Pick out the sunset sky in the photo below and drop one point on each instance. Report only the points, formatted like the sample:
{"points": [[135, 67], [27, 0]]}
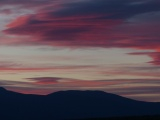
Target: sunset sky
{"points": [[109, 45]]}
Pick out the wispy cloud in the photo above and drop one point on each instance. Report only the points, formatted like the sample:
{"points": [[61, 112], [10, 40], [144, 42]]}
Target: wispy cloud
{"points": [[154, 55], [103, 23]]}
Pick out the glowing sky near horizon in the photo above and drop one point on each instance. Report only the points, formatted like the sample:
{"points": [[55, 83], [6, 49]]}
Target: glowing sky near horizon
{"points": [[108, 45]]}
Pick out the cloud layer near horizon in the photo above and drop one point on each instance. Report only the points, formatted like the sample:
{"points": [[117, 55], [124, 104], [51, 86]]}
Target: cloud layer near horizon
{"points": [[133, 88]]}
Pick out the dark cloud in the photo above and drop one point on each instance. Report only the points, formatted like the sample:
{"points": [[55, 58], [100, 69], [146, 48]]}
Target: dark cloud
{"points": [[83, 23], [111, 9]]}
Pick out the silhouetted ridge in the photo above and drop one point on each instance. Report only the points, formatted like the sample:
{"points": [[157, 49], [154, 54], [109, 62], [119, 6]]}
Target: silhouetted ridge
{"points": [[71, 104], [6, 94], [83, 93], [2, 89], [89, 95], [80, 93]]}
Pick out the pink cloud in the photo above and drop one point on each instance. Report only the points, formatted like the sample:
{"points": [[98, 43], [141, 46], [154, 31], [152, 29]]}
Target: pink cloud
{"points": [[6, 11], [92, 24], [71, 31]]}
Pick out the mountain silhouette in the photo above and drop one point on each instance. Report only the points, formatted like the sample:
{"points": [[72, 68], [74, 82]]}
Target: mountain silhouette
{"points": [[71, 104]]}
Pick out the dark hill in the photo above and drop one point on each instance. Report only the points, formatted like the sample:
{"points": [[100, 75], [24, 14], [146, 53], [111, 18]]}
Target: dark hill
{"points": [[71, 105]]}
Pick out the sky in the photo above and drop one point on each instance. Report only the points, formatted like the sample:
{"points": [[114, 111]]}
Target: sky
{"points": [[108, 45]]}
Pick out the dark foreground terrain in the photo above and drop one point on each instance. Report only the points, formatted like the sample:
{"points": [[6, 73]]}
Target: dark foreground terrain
{"points": [[128, 118], [72, 105]]}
